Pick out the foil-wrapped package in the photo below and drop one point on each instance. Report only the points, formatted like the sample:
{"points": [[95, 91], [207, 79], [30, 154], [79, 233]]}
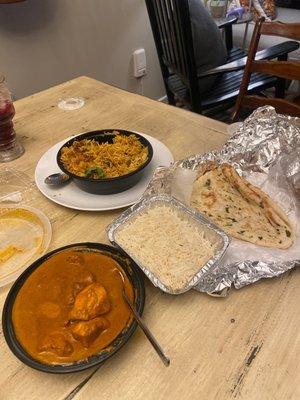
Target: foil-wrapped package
{"points": [[290, 167], [264, 151]]}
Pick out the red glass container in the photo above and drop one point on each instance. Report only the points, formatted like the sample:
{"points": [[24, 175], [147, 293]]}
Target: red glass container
{"points": [[10, 148]]}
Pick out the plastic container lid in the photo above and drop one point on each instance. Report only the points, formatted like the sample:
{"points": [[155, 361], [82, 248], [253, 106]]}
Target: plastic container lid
{"points": [[25, 235]]}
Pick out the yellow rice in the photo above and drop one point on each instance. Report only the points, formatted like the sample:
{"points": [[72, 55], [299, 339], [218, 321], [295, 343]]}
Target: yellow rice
{"points": [[124, 155]]}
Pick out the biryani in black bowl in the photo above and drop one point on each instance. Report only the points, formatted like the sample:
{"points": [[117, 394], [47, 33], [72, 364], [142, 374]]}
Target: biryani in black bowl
{"points": [[106, 161]]}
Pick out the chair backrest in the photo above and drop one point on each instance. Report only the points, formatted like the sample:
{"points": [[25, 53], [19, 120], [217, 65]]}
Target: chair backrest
{"points": [[171, 27], [282, 69]]}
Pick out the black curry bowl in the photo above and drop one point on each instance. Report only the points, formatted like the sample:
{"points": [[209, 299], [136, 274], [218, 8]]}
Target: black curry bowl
{"points": [[134, 275], [107, 185]]}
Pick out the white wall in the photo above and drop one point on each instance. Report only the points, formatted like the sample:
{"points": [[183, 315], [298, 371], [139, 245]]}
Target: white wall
{"points": [[45, 42]]}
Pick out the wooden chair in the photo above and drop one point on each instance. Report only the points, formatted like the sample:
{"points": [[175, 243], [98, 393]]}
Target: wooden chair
{"points": [[282, 68], [171, 27]]}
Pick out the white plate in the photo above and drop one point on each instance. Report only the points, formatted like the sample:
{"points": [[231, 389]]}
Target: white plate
{"points": [[72, 197]]}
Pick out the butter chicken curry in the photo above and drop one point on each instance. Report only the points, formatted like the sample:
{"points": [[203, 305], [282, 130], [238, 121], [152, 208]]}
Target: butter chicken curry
{"points": [[71, 307]]}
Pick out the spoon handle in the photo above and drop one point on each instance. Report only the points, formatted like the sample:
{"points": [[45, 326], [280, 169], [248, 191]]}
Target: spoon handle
{"points": [[147, 332]]}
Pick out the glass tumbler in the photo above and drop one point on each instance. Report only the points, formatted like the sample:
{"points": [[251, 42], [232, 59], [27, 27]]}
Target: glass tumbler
{"points": [[10, 148]]}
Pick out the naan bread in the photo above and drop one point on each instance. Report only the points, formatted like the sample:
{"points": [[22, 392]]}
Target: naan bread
{"points": [[241, 209]]}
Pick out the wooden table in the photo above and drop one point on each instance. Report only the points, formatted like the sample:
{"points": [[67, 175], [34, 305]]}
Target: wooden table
{"points": [[243, 346]]}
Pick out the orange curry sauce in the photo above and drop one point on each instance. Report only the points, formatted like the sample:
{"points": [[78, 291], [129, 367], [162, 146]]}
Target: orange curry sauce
{"points": [[71, 307]]}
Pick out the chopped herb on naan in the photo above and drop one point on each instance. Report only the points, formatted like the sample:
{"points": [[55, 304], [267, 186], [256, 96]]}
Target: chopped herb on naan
{"points": [[241, 209]]}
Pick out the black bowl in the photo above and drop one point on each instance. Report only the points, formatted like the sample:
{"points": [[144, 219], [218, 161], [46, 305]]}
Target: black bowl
{"points": [[134, 275], [108, 185]]}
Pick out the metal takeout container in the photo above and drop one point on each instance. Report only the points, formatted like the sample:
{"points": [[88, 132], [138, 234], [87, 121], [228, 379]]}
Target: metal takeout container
{"points": [[211, 231]]}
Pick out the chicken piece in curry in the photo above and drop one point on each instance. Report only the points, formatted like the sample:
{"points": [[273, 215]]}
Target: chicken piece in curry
{"points": [[87, 331], [57, 343], [90, 303], [71, 307]]}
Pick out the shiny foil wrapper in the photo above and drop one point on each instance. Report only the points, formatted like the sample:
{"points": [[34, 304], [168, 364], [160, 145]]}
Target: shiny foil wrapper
{"points": [[212, 233], [265, 145]]}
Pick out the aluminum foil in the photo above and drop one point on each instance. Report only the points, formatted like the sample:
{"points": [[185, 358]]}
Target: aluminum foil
{"points": [[267, 144], [290, 165], [211, 231]]}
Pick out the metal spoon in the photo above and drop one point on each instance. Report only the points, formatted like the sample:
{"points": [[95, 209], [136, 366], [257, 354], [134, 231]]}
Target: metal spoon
{"points": [[147, 332], [57, 179]]}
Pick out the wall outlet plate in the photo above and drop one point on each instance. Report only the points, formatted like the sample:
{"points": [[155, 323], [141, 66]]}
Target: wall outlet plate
{"points": [[139, 63]]}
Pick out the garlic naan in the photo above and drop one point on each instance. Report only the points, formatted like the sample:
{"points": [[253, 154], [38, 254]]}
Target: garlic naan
{"points": [[241, 209]]}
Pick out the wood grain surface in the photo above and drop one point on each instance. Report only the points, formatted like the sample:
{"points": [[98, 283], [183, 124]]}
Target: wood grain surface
{"points": [[245, 346]]}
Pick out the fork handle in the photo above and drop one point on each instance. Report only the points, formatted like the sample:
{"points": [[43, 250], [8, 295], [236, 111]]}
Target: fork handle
{"points": [[147, 332]]}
